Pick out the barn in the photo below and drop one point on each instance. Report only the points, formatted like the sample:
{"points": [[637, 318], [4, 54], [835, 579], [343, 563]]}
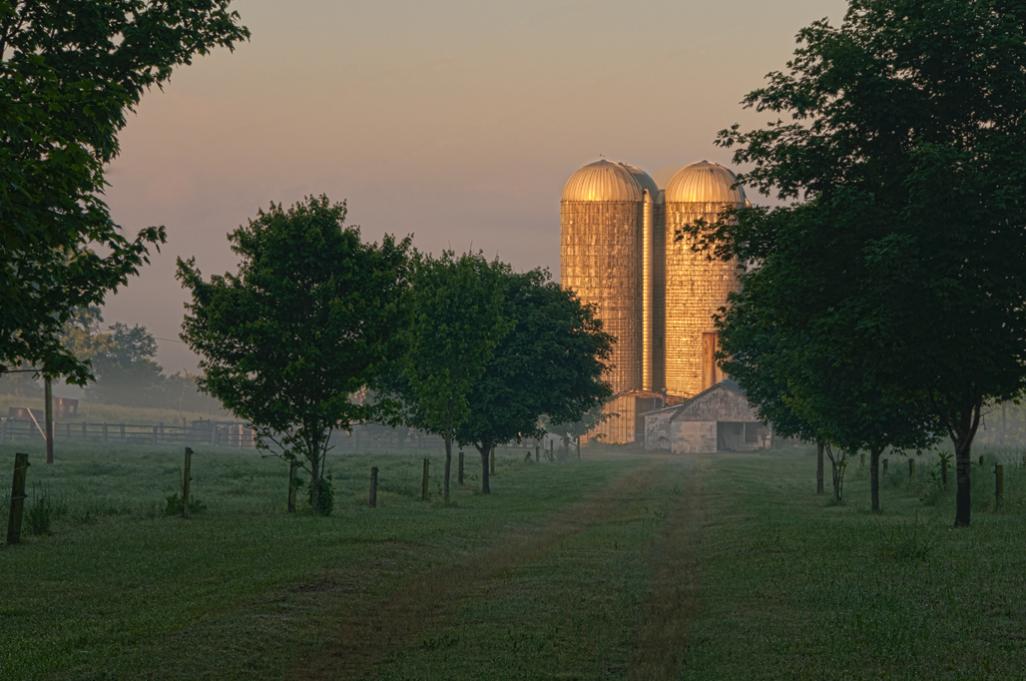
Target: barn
{"points": [[719, 419]]}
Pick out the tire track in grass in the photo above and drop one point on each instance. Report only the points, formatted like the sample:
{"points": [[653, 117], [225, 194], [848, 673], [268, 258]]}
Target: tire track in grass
{"points": [[359, 642], [661, 645]]}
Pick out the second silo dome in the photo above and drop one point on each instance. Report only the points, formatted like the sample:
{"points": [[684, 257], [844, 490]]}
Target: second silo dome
{"points": [[696, 287]]}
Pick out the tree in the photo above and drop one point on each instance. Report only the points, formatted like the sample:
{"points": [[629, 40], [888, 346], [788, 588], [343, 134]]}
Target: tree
{"points": [[549, 362], [904, 132], [69, 72], [306, 322], [455, 322], [804, 342], [125, 366]]}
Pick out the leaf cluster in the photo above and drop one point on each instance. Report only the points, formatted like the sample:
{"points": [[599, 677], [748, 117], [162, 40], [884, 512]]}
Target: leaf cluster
{"points": [[550, 362], [69, 72], [455, 321]]}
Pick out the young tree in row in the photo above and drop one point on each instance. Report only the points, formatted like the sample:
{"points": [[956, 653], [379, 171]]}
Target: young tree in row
{"points": [[905, 124], [307, 321], [454, 323], [69, 72], [550, 362]]}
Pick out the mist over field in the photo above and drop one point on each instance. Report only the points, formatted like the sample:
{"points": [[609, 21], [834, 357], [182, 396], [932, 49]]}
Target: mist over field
{"points": [[559, 339]]}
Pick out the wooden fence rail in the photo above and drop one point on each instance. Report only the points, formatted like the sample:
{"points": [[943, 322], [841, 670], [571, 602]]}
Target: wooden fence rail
{"points": [[218, 434]]}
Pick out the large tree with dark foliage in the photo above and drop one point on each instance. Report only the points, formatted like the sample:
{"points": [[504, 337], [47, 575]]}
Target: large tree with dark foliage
{"points": [[803, 342], [69, 72], [905, 126], [549, 362], [308, 322]]}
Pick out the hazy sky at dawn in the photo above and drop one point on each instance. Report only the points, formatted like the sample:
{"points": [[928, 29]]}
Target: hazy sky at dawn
{"points": [[455, 120]]}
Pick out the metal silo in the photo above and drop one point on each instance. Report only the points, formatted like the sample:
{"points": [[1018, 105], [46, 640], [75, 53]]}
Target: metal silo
{"points": [[601, 259], [695, 286]]}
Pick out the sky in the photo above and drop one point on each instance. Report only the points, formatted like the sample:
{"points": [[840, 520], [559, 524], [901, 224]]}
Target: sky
{"points": [[457, 121]]}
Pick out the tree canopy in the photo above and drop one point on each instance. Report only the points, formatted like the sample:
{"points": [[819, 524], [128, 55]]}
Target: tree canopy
{"points": [[901, 134], [550, 362], [70, 70], [292, 340], [455, 322]]}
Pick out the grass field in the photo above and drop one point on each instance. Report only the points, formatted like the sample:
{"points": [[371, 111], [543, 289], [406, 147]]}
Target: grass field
{"points": [[622, 566]]}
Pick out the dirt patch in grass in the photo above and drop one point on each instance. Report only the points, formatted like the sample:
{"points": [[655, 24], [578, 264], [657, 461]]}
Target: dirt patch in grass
{"points": [[359, 641]]}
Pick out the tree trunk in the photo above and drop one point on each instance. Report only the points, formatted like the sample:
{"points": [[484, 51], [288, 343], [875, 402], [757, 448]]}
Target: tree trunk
{"points": [[448, 468], [486, 451], [874, 478], [962, 435], [837, 464], [315, 479], [963, 483], [819, 466]]}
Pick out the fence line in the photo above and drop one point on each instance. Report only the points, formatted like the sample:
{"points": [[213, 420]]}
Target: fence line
{"points": [[209, 432]]}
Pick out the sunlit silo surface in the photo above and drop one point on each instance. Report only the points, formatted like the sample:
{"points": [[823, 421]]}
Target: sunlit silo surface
{"points": [[696, 286], [619, 252], [601, 215]]}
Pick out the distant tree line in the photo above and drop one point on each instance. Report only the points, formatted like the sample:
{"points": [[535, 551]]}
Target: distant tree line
{"points": [[122, 362]]}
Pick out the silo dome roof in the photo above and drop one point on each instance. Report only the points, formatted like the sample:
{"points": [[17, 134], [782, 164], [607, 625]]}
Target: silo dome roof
{"points": [[704, 182], [602, 181], [643, 179]]}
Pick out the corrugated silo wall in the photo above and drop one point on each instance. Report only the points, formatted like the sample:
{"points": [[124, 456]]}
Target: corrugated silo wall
{"points": [[696, 288], [600, 259]]}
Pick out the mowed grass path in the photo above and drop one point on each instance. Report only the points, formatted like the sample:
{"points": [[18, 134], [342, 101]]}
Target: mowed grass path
{"points": [[616, 567]]}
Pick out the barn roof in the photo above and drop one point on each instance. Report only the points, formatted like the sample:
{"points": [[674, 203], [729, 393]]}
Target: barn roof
{"points": [[726, 384]]}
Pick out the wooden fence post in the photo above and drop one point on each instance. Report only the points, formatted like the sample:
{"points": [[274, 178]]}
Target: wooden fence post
{"points": [[372, 500], [460, 469], [911, 469], [552, 454], [292, 486], [106, 432], [122, 428], [537, 453], [491, 464], [186, 479], [48, 394], [578, 445], [999, 485], [424, 480], [885, 466], [17, 509]]}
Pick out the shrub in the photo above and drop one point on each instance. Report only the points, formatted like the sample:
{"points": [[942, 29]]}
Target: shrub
{"points": [[174, 505], [43, 509]]}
